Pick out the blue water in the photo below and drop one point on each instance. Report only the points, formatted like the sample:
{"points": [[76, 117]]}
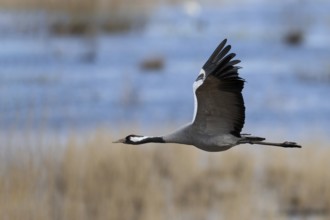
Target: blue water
{"points": [[82, 83]]}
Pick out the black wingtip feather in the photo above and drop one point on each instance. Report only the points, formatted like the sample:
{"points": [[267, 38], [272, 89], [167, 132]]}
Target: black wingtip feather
{"points": [[221, 54], [233, 62], [216, 52], [220, 63]]}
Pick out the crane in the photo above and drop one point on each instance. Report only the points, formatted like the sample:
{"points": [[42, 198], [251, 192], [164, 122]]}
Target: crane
{"points": [[219, 111]]}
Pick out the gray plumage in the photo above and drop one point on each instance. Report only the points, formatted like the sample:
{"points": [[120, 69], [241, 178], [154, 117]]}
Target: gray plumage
{"points": [[219, 112]]}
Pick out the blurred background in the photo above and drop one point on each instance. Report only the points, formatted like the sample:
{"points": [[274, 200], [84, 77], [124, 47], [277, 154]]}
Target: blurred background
{"points": [[76, 75]]}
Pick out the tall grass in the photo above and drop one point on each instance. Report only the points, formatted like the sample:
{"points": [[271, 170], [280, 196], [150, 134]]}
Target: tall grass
{"points": [[95, 179]]}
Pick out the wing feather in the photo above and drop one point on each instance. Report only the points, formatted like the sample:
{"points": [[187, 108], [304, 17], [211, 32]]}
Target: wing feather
{"points": [[216, 52], [219, 100]]}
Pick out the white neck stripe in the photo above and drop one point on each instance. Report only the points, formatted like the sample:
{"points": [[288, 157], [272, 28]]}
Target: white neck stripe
{"points": [[138, 139]]}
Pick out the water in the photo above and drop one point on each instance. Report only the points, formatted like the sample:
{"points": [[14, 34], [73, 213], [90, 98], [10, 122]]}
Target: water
{"points": [[81, 83]]}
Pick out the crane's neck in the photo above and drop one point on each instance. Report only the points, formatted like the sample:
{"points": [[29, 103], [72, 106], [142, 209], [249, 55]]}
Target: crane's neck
{"points": [[181, 136]]}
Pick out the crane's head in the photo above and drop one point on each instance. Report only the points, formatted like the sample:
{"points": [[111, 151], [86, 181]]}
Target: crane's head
{"points": [[138, 139], [132, 139]]}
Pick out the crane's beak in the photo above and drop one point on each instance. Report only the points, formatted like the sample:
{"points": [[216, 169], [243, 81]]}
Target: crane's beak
{"points": [[120, 141]]}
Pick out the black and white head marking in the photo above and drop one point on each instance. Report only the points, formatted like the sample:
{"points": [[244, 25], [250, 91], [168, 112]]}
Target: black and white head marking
{"points": [[137, 139]]}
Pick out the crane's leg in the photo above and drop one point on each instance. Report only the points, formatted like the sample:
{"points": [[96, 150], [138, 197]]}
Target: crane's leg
{"points": [[284, 144]]}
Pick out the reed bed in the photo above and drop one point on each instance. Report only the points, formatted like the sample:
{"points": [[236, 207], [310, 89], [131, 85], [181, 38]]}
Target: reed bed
{"points": [[96, 179]]}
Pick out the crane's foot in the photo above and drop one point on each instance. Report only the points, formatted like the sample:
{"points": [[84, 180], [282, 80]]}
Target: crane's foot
{"points": [[290, 144]]}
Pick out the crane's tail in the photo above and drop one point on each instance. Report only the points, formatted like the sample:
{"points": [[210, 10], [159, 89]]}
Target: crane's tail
{"points": [[246, 139]]}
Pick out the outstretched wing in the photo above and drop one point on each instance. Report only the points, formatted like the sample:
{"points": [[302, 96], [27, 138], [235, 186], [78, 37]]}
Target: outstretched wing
{"points": [[219, 104]]}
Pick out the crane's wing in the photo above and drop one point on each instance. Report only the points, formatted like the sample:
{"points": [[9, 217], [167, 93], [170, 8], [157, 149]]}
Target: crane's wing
{"points": [[219, 104]]}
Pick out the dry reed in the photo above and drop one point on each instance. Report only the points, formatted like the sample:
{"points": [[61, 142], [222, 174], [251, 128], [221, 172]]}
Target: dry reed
{"points": [[96, 179]]}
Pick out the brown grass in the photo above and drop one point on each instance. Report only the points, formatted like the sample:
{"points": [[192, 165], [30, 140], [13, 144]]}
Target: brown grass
{"points": [[301, 180], [95, 179]]}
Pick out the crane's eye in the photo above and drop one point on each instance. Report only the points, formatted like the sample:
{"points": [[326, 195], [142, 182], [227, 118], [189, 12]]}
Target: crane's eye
{"points": [[200, 76]]}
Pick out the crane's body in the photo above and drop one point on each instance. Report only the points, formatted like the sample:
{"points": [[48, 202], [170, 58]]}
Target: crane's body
{"points": [[219, 111]]}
